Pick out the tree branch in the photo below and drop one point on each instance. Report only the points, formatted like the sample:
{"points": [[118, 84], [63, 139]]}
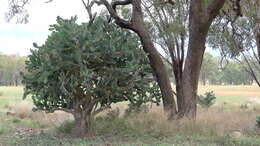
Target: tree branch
{"points": [[213, 9], [111, 9], [88, 7], [114, 4]]}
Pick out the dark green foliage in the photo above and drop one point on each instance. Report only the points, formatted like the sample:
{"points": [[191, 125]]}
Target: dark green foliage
{"points": [[258, 121], [207, 100], [96, 64]]}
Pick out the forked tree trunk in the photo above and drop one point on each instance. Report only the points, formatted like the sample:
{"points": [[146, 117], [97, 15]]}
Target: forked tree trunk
{"points": [[200, 20]]}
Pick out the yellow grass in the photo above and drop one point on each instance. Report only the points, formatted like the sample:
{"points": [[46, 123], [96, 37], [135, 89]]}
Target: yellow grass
{"points": [[232, 91]]}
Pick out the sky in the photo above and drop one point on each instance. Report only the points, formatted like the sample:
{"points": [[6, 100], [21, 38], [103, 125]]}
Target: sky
{"points": [[18, 38]]}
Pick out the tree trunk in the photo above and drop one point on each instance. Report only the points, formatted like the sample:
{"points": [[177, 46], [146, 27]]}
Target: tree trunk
{"points": [[83, 123], [177, 70], [154, 58], [200, 20], [257, 32], [160, 72], [82, 115], [191, 77]]}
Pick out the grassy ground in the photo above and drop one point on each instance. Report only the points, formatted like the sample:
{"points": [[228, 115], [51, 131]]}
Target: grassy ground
{"points": [[215, 126], [232, 94]]}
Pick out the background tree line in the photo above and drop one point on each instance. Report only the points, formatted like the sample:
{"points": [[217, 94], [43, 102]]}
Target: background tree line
{"points": [[213, 72], [10, 68]]}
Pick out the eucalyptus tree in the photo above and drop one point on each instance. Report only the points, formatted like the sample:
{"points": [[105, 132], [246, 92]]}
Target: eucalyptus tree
{"points": [[200, 16]]}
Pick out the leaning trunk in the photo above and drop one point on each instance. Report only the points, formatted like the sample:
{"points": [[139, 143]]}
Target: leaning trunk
{"points": [[154, 58], [160, 73]]}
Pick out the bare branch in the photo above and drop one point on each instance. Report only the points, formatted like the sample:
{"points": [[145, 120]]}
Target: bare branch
{"points": [[17, 10], [111, 9], [251, 71], [88, 7], [114, 4]]}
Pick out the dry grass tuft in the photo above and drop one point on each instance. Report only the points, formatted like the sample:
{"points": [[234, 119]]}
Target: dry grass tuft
{"points": [[224, 122], [23, 109], [209, 123], [57, 118]]}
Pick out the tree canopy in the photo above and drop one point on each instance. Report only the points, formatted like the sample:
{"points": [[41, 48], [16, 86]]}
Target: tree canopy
{"points": [[85, 68]]}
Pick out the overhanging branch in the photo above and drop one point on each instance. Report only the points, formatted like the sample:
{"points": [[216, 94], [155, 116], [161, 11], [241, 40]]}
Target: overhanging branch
{"points": [[111, 9], [114, 4], [213, 9]]}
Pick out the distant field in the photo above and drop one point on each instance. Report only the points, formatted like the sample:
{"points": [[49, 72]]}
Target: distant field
{"points": [[232, 91], [232, 94], [237, 94], [11, 95]]}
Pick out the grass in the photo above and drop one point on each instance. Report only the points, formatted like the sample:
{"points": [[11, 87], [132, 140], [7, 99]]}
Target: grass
{"points": [[152, 128], [11, 95], [232, 91]]}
